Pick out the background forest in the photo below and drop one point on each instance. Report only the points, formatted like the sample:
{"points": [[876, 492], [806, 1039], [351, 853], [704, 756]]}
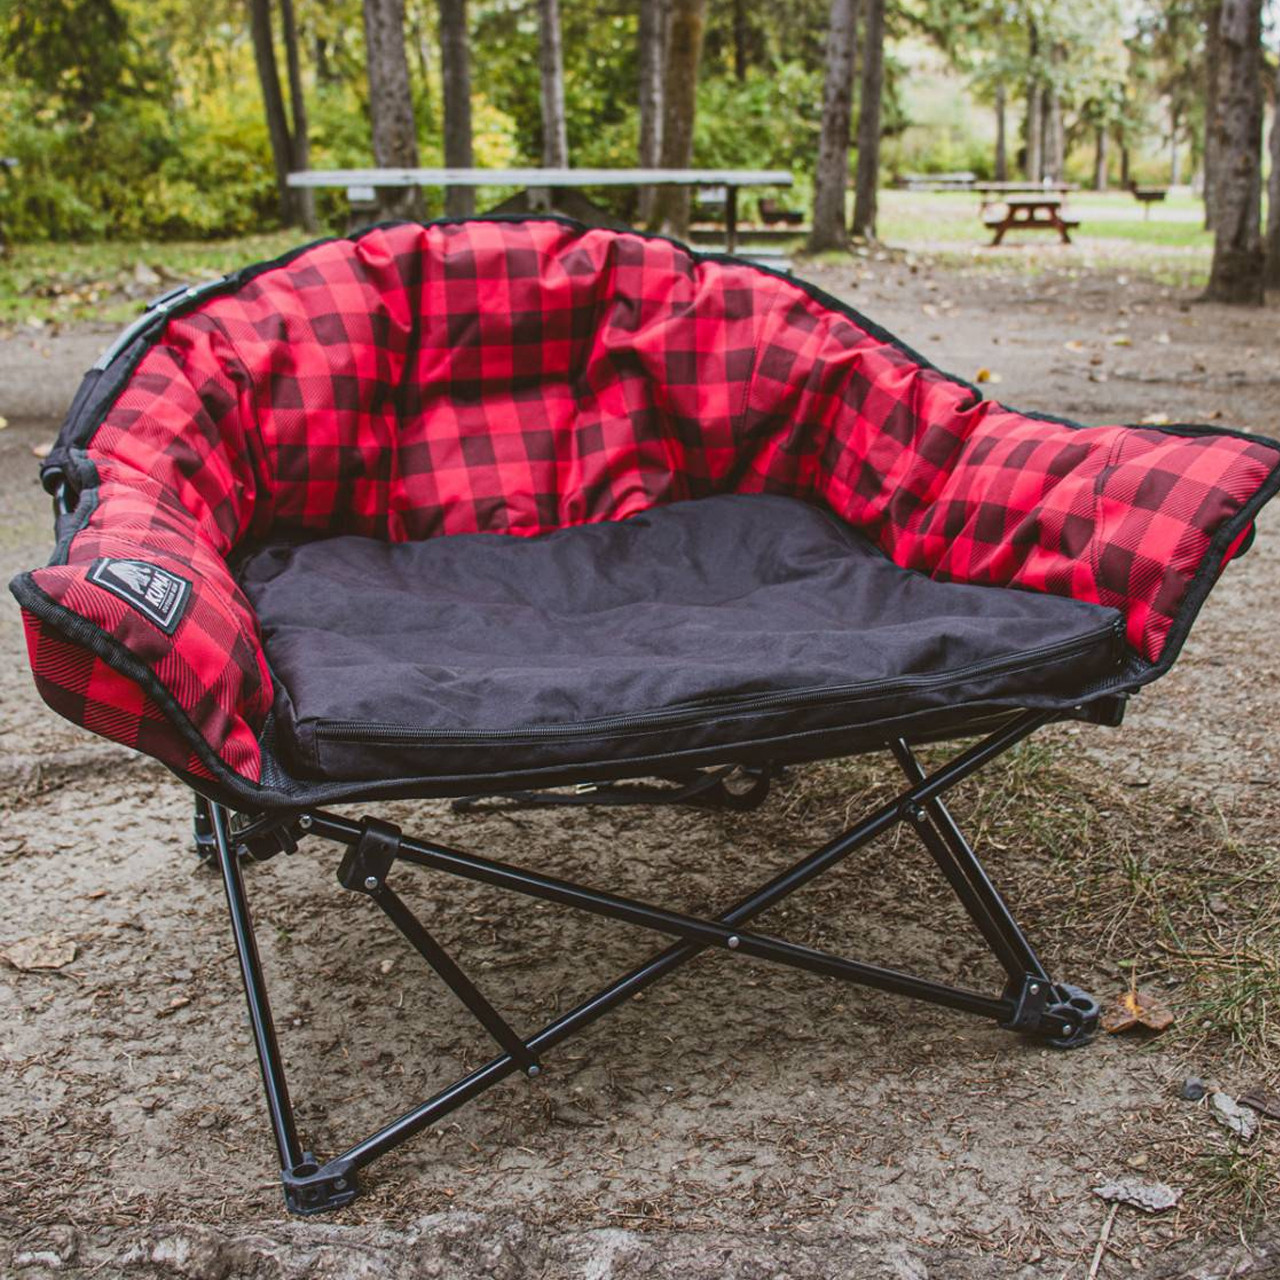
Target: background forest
{"points": [[132, 118]]}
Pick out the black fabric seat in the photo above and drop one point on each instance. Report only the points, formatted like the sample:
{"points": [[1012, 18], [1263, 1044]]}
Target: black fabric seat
{"points": [[708, 623]]}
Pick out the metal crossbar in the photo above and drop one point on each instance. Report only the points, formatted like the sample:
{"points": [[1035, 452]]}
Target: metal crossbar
{"points": [[1059, 1014]]}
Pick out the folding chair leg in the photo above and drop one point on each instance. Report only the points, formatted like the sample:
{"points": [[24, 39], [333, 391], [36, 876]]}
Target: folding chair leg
{"points": [[958, 862], [1030, 988], [305, 1193]]}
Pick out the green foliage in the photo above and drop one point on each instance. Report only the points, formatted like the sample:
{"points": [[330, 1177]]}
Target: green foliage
{"points": [[143, 118]]}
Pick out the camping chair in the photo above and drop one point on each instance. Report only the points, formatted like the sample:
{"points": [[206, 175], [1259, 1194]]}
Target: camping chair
{"points": [[746, 529]]}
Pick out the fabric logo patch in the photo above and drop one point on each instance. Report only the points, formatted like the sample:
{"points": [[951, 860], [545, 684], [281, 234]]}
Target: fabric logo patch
{"points": [[157, 594]]}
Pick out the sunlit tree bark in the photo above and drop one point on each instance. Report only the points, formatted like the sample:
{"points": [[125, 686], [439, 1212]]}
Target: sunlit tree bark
{"points": [[830, 230], [1273, 197], [680, 98], [866, 186], [1236, 273], [304, 199], [395, 137], [264, 55], [652, 61], [455, 73], [555, 131]]}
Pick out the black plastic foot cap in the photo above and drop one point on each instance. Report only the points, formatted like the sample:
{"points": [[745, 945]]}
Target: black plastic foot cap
{"points": [[310, 1187]]}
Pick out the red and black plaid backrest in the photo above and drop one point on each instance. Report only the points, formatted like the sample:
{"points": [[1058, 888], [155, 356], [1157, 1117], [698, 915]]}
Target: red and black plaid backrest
{"points": [[521, 376]]}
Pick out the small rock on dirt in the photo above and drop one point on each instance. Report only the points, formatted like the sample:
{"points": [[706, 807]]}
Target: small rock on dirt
{"points": [[1239, 1120], [1151, 1197], [1193, 1089], [49, 951]]}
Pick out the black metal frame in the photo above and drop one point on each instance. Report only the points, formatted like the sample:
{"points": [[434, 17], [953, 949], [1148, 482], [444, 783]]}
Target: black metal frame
{"points": [[1058, 1014]]}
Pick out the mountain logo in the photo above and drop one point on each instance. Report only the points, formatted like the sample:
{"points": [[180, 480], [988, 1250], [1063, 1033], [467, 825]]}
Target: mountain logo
{"points": [[160, 596]]}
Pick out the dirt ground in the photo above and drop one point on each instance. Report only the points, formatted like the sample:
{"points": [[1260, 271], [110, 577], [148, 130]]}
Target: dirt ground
{"points": [[802, 1129]]}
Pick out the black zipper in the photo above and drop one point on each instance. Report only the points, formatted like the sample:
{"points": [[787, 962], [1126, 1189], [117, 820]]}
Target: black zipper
{"points": [[358, 732]]}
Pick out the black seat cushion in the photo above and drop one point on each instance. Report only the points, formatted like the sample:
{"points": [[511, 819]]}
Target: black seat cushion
{"points": [[715, 622]]}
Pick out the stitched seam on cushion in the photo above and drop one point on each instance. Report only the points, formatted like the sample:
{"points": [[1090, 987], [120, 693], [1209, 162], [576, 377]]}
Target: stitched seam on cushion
{"points": [[750, 382], [1098, 485], [251, 640], [244, 368]]}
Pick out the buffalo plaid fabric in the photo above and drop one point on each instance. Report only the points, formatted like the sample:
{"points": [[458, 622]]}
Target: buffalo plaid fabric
{"points": [[517, 377]]}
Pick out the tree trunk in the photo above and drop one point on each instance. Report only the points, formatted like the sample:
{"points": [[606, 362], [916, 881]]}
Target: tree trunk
{"points": [[1213, 80], [264, 54], [1002, 132], [1272, 278], [326, 72], [1034, 164], [832, 175], [1125, 180], [555, 131], [1101, 138], [740, 40], [869, 102], [652, 61], [395, 136], [420, 41], [1236, 273], [1054, 136], [304, 199], [1175, 155], [1035, 132], [455, 74], [670, 213]]}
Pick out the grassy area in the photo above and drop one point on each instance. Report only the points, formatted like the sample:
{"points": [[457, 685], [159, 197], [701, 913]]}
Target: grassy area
{"points": [[49, 284], [937, 219], [1170, 245]]}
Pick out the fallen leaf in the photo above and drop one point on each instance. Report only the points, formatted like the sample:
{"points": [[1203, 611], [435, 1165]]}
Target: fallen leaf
{"points": [[1239, 1120], [42, 450], [1157, 419], [45, 952], [1074, 345], [1260, 1100], [4, 422], [929, 309], [987, 375], [1136, 1008], [1122, 340], [1152, 1197], [1163, 339], [178, 1002]]}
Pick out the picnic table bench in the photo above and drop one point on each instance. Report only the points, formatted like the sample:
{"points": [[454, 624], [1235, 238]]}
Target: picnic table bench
{"points": [[961, 181], [538, 182], [772, 214], [1031, 213]]}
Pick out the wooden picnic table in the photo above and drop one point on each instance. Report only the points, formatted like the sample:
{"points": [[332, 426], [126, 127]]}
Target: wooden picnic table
{"points": [[990, 193], [535, 180], [1040, 212]]}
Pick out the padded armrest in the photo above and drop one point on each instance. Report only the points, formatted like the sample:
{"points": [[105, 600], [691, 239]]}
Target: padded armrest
{"points": [[139, 592], [963, 489], [1140, 519]]}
